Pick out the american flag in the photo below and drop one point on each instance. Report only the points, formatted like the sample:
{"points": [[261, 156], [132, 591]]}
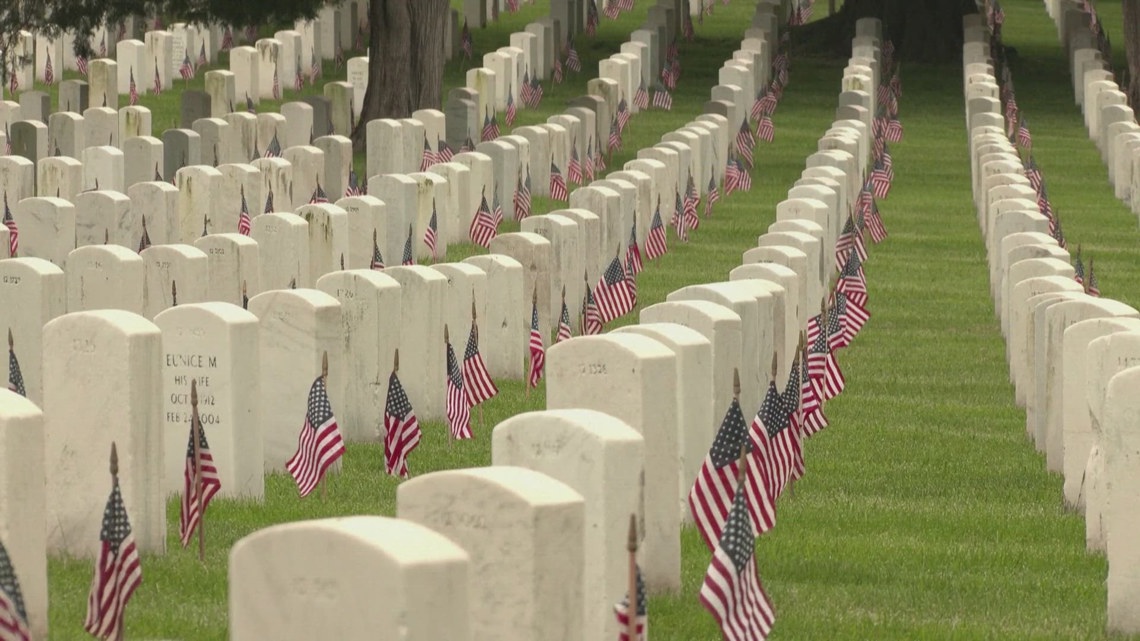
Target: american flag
{"points": [[428, 157], [781, 444], [625, 5], [591, 17], [134, 90], [823, 369], [118, 572], [614, 295], [766, 129], [512, 110], [732, 178], [103, 45], [692, 201], [315, 69], [354, 187], [760, 487], [476, 379], [631, 278], [591, 317], [731, 590], [536, 92], [655, 240], [537, 350], [1078, 267], [715, 486], [298, 76], [496, 210], [525, 90], [377, 257], [468, 145], [490, 130], [319, 444], [269, 203], [875, 223], [667, 77], [641, 98], [444, 151], [574, 172], [276, 85], [853, 315], [565, 332], [432, 230], [157, 88], [1033, 173], [615, 135], [13, 81], [791, 398], [599, 162], [13, 615], [203, 60], [557, 184], [273, 149], [466, 42], [15, 377], [13, 230], [513, 6], [338, 56], [186, 69], [894, 130], [662, 99], [522, 197], [621, 610], [483, 227], [687, 26], [573, 61], [611, 10], [1093, 286], [402, 430], [193, 505], [49, 72], [81, 64], [680, 220], [408, 257], [458, 407], [633, 252], [880, 180], [1024, 138], [144, 240], [557, 71], [745, 143], [623, 115], [812, 409], [245, 223], [713, 194], [249, 105], [227, 39], [319, 196]]}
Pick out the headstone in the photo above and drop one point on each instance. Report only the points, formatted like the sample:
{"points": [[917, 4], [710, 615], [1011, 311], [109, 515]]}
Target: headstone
{"points": [[104, 277], [1122, 472], [217, 346], [66, 134], [297, 328], [533, 252], [103, 76], [59, 175], [366, 224], [233, 267], [422, 292], [328, 238], [23, 504], [106, 217], [375, 577], [503, 329], [180, 148], [529, 557], [104, 167], [221, 86], [175, 275], [583, 373], [33, 293], [197, 199], [121, 352], [47, 229], [283, 246], [599, 457], [156, 204]]}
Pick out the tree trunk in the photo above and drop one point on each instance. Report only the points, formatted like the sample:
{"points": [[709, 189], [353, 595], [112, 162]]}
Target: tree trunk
{"points": [[405, 60], [1131, 18], [921, 30]]}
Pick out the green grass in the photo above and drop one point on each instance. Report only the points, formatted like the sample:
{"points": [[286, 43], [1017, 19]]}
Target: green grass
{"points": [[925, 513]]}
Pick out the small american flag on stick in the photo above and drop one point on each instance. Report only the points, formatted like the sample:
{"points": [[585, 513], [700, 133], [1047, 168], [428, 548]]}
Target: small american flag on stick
{"points": [[565, 332], [476, 379], [402, 430], [632, 626], [186, 69], [591, 317], [200, 479], [118, 571], [15, 377], [13, 229], [614, 294], [483, 227], [716, 483], [655, 245], [536, 346], [245, 223], [13, 615], [458, 405], [319, 444]]}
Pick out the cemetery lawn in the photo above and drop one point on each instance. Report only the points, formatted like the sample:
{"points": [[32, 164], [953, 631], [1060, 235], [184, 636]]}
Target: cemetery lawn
{"points": [[925, 512]]}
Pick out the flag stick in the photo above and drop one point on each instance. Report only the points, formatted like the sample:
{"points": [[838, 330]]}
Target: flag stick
{"points": [[534, 306], [115, 482], [325, 380], [475, 330], [446, 344], [196, 428], [632, 596]]}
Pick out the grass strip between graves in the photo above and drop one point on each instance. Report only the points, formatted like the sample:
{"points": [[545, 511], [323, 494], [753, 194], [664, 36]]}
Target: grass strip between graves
{"points": [[924, 514]]}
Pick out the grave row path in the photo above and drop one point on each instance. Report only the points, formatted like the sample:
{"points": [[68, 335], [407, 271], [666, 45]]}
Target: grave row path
{"points": [[925, 512], [1077, 180]]}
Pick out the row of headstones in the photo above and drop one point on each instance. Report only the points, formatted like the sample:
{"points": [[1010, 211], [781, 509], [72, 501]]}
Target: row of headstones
{"points": [[1111, 123], [753, 300], [333, 31], [1069, 355], [664, 378]]}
